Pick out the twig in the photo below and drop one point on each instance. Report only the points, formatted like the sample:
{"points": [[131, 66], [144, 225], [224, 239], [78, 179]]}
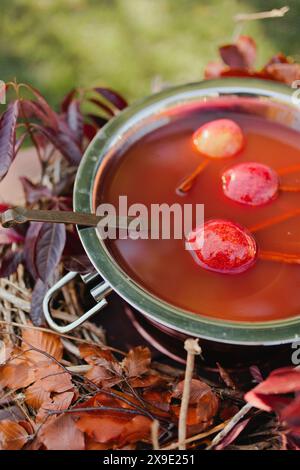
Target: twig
{"points": [[233, 421], [47, 330], [262, 15], [197, 437], [14, 300], [154, 434], [192, 347], [89, 409]]}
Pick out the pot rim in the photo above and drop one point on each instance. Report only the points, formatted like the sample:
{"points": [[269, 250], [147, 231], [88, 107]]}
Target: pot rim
{"points": [[232, 332]]}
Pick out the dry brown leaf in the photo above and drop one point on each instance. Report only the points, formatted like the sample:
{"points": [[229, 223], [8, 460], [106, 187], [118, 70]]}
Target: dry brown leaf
{"points": [[61, 433], [101, 428], [47, 342], [137, 361], [102, 377], [59, 402], [97, 356], [137, 429], [203, 406], [17, 373], [49, 378], [12, 435]]}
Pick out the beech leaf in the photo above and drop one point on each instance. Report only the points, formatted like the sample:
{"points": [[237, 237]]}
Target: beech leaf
{"points": [[12, 435], [137, 361], [61, 433]]}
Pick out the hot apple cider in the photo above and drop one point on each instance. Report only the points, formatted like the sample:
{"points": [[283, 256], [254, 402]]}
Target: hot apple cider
{"points": [[245, 169]]}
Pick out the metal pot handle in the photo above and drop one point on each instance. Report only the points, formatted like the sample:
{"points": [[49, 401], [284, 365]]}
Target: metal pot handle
{"points": [[98, 292]]}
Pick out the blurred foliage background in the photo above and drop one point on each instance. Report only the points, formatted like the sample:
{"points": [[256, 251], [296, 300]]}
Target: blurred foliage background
{"points": [[58, 44]]}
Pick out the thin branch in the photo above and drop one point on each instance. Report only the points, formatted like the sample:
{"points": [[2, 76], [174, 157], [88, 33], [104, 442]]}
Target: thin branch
{"points": [[262, 15], [232, 423], [154, 434]]}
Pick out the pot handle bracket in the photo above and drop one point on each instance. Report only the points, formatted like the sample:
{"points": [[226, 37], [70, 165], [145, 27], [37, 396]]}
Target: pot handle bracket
{"points": [[99, 293]]}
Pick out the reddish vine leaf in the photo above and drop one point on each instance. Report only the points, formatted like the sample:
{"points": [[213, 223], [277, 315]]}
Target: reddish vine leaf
{"points": [[34, 192], [75, 120], [30, 247], [8, 123], [10, 263], [12, 435], [37, 298], [44, 105], [65, 103], [48, 249], [113, 97]]}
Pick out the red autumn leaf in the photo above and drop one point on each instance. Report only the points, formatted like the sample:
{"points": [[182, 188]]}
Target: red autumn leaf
{"points": [[241, 54], [283, 72], [89, 131], [137, 361], [247, 47], [290, 414], [61, 433], [48, 249], [280, 381], [12, 435], [8, 123]]}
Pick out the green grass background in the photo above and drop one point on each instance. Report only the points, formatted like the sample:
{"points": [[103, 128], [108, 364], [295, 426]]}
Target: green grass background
{"points": [[125, 44]]}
